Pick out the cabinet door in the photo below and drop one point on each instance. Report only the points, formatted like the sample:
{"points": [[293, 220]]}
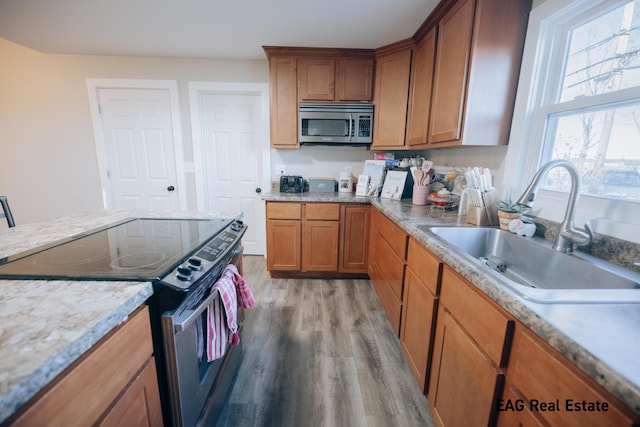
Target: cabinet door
{"points": [[283, 102], [418, 314], [391, 96], [464, 383], [283, 245], [320, 245], [140, 403], [450, 78], [539, 372], [421, 83], [354, 240], [316, 79], [355, 79]]}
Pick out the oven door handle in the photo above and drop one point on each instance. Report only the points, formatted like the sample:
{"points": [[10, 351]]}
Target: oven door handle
{"points": [[183, 323]]}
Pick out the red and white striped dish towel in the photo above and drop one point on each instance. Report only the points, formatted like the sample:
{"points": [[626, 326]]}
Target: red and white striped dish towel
{"points": [[222, 324]]}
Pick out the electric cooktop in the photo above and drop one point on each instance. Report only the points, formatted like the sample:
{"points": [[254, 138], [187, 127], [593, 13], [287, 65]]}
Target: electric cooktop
{"points": [[140, 249]]}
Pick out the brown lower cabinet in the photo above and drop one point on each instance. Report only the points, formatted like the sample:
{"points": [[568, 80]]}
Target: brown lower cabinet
{"points": [[317, 237], [113, 384], [544, 388], [387, 259], [421, 290], [469, 355]]}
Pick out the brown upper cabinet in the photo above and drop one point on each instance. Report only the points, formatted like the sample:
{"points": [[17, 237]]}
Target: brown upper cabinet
{"points": [[335, 79], [420, 92], [477, 63], [298, 74], [452, 84], [391, 95], [283, 102]]}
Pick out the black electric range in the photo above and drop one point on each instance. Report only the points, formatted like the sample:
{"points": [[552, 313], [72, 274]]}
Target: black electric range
{"points": [[139, 249]]}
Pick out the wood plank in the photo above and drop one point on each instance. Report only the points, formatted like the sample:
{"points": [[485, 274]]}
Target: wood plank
{"points": [[320, 352]]}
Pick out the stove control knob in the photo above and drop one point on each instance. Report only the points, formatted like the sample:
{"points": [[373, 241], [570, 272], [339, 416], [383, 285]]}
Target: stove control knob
{"points": [[184, 274], [195, 264]]}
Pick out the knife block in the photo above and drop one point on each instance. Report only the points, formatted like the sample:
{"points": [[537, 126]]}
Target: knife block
{"points": [[486, 215], [477, 215]]}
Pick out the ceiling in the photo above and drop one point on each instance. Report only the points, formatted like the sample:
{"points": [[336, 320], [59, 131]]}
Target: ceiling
{"points": [[206, 28]]}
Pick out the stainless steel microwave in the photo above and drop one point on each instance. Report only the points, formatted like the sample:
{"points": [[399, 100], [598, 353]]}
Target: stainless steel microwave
{"points": [[335, 124]]}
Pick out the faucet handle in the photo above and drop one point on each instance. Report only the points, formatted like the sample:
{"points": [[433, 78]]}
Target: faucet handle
{"points": [[582, 238]]}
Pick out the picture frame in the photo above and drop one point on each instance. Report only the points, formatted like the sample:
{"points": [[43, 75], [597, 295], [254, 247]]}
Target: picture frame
{"points": [[394, 185]]}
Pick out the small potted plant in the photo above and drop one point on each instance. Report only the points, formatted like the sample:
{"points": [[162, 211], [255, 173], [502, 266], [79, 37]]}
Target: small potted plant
{"points": [[508, 210]]}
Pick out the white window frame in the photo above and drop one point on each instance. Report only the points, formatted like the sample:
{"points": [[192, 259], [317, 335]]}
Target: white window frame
{"points": [[546, 32]]}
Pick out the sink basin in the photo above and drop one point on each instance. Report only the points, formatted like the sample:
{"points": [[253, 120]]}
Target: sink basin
{"points": [[533, 269]]}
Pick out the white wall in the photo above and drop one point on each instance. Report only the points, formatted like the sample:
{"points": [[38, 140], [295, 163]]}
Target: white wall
{"points": [[48, 164]]}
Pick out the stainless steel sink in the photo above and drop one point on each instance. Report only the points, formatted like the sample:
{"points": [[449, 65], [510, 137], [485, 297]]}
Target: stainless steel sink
{"points": [[533, 269]]}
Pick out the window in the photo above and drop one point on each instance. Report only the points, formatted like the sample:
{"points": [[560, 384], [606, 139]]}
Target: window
{"points": [[582, 69], [585, 124]]}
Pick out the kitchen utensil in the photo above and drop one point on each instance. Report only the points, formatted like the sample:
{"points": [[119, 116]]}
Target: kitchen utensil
{"points": [[486, 172], [418, 176]]}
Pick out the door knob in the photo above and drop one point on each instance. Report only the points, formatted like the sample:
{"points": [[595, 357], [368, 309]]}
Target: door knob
{"points": [[171, 188], [258, 190]]}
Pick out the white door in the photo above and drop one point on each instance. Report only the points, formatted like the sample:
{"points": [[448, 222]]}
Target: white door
{"points": [[229, 140], [138, 147]]}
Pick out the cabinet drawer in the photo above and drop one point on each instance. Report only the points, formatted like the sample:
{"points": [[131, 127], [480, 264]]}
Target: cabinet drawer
{"points": [[482, 319], [284, 210], [326, 211], [425, 265], [540, 373], [395, 236]]}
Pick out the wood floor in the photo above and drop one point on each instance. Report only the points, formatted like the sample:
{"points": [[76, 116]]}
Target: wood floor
{"points": [[320, 353]]}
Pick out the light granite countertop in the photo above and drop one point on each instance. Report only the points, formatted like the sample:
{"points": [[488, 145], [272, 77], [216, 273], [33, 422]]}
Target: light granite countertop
{"points": [[47, 325], [603, 340]]}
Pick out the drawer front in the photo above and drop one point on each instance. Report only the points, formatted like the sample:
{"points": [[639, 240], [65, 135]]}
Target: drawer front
{"points": [[482, 319], [278, 210], [322, 211], [540, 373], [395, 236], [425, 265]]}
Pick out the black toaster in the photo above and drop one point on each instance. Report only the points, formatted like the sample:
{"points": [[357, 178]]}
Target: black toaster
{"points": [[291, 184]]}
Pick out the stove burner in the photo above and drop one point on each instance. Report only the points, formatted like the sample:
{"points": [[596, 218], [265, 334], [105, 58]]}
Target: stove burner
{"points": [[139, 261], [85, 254]]}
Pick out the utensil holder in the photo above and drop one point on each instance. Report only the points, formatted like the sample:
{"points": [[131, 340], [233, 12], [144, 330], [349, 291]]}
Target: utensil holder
{"points": [[420, 193]]}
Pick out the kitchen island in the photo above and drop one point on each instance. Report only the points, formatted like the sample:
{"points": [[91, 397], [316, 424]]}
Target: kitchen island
{"points": [[48, 325], [599, 339]]}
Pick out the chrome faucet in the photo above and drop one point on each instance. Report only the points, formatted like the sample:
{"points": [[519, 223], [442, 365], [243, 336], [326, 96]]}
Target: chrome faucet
{"points": [[567, 234]]}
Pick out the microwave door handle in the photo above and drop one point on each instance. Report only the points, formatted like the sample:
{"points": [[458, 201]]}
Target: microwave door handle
{"points": [[350, 127]]}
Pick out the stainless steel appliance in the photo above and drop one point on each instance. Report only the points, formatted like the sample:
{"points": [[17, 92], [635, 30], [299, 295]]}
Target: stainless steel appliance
{"points": [[335, 124], [183, 258]]}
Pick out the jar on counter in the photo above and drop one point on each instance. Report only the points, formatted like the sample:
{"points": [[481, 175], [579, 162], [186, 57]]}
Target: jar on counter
{"points": [[345, 182]]}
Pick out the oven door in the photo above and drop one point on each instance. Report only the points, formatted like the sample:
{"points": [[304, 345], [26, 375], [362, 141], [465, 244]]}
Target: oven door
{"points": [[327, 127], [197, 388]]}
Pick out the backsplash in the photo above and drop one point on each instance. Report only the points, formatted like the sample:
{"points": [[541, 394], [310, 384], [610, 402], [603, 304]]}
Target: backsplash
{"points": [[614, 250]]}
